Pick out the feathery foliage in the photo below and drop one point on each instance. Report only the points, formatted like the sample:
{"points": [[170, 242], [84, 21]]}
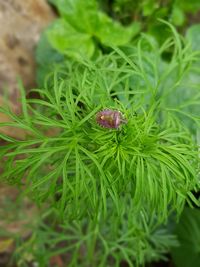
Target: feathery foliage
{"points": [[133, 177], [129, 237]]}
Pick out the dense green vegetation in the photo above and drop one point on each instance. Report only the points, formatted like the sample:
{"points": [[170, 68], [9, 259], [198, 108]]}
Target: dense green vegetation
{"points": [[111, 196]]}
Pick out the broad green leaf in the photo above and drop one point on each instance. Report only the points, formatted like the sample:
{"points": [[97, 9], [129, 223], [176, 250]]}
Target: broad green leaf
{"points": [[64, 38], [85, 17], [82, 15], [111, 32], [177, 16], [193, 35], [149, 7]]}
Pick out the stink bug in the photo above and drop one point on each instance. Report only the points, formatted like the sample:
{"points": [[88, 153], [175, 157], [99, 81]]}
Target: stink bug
{"points": [[109, 118]]}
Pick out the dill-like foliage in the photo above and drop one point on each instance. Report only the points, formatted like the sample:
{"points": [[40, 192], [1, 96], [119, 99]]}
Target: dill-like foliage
{"points": [[136, 175]]}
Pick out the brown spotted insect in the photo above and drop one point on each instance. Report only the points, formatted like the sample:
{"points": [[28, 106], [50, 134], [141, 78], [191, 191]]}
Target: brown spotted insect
{"points": [[109, 118]]}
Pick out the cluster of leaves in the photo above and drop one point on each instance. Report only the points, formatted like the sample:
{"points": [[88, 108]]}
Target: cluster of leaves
{"points": [[108, 192], [127, 237], [77, 33], [81, 31], [187, 230], [148, 11], [134, 177], [121, 161], [84, 30]]}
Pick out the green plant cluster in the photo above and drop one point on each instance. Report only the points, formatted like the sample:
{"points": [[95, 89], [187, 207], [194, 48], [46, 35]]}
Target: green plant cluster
{"points": [[109, 196], [88, 28], [113, 189], [87, 33], [109, 242], [148, 11]]}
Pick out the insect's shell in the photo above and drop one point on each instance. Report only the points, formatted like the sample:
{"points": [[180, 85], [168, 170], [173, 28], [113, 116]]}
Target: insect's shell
{"points": [[109, 118]]}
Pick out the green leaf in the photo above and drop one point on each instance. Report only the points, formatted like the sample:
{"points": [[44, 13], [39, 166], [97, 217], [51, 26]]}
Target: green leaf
{"points": [[149, 6], [193, 36], [64, 38], [47, 58], [111, 32], [189, 6], [188, 232], [81, 21], [178, 16], [82, 15]]}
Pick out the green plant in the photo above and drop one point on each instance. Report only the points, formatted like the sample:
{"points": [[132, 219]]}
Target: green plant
{"points": [[189, 237], [84, 30], [82, 27], [111, 189], [148, 12], [103, 242], [81, 31]]}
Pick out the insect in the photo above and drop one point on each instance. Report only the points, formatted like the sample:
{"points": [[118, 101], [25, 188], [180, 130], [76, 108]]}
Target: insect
{"points": [[109, 118]]}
